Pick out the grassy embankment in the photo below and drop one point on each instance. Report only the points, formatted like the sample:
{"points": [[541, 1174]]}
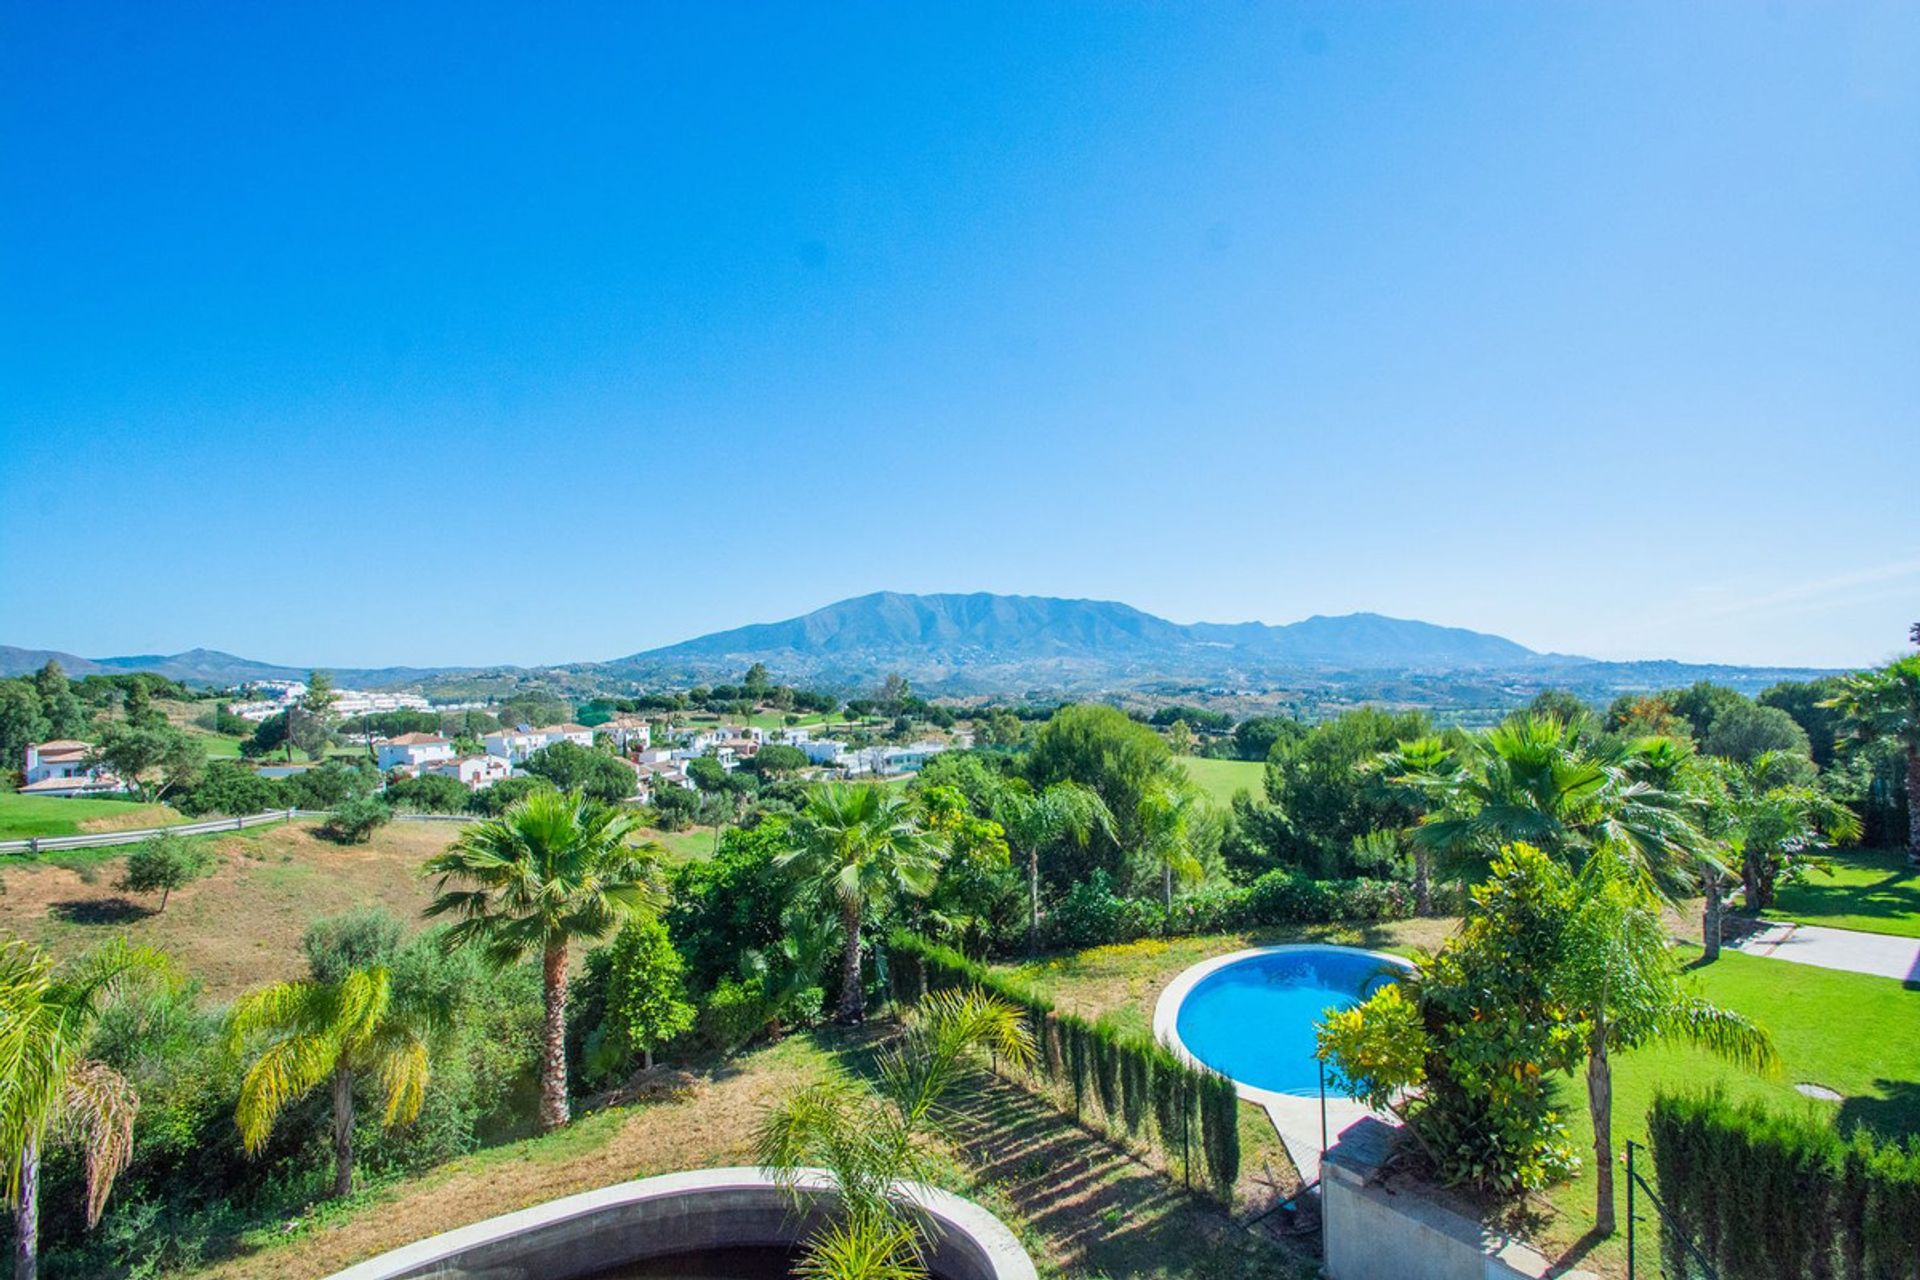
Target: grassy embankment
{"points": [[1876, 890]]}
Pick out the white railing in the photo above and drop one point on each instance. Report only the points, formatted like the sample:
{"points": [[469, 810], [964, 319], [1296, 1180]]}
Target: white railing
{"points": [[212, 826]]}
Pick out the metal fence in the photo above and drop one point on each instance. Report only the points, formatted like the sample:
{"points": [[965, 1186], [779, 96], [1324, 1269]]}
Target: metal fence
{"points": [[212, 826], [1670, 1253]]}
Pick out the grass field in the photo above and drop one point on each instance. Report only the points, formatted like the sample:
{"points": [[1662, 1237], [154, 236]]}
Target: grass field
{"points": [[1221, 778], [1876, 890], [1874, 1065], [22, 817]]}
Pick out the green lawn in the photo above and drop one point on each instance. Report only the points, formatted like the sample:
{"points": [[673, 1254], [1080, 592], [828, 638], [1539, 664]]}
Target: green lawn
{"points": [[22, 817], [1877, 890], [218, 746], [1857, 1035], [1221, 778]]}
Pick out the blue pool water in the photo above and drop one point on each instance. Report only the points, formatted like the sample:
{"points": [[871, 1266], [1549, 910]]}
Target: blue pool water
{"points": [[1253, 1021]]}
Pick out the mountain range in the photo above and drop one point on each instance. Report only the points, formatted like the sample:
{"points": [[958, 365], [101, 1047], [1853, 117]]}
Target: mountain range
{"points": [[982, 643]]}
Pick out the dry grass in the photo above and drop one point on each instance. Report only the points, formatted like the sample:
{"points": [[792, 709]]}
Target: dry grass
{"points": [[240, 926]]}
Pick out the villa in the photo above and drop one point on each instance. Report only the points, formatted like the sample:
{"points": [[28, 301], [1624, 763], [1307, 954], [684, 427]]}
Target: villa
{"points": [[60, 768], [412, 750], [517, 744], [475, 772]]}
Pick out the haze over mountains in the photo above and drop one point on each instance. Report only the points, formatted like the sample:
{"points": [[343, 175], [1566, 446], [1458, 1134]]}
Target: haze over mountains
{"points": [[985, 643]]}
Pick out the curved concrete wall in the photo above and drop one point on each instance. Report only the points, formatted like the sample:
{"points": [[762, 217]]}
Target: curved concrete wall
{"points": [[674, 1213]]}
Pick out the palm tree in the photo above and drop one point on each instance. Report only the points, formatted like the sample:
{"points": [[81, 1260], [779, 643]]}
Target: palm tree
{"points": [[1886, 704], [1035, 819], [1165, 819], [1768, 820], [861, 845], [1533, 780], [1618, 973], [553, 869], [313, 1033], [49, 1085], [872, 1148]]}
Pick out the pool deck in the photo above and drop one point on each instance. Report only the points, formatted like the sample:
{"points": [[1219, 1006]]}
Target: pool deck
{"points": [[1295, 1117]]}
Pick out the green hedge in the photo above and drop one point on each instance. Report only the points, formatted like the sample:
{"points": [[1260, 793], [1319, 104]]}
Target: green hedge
{"points": [[1122, 1076], [1767, 1195]]}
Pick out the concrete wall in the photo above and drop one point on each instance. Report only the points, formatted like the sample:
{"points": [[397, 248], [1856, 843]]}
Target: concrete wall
{"points": [[654, 1217], [1373, 1233]]}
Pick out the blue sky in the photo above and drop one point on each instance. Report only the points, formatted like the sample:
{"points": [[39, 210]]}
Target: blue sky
{"points": [[412, 333]]}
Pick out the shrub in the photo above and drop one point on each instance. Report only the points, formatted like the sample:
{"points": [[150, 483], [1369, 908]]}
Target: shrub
{"points": [[491, 802], [356, 819], [1772, 1195], [1092, 915], [734, 1013], [163, 864], [429, 793], [231, 788]]}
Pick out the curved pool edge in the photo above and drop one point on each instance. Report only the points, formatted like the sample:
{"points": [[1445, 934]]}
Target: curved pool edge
{"points": [[1166, 1010], [987, 1248]]}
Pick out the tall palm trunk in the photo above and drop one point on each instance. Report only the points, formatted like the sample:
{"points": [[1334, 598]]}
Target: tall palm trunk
{"points": [[1913, 804], [1753, 882], [26, 1214], [1600, 1108], [342, 1131], [1033, 900], [1166, 897], [553, 1050], [1716, 901], [853, 1001]]}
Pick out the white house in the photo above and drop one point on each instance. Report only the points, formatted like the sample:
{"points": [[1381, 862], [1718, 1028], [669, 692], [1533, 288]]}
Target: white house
{"points": [[412, 750], [517, 744], [823, 751], [629, 733], [475, 772], [59, 768]]}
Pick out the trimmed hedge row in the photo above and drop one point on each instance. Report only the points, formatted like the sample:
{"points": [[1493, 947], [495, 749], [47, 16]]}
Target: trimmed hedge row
{"points": [[1772, 1196], [1128, 1078], [1091, 914]]}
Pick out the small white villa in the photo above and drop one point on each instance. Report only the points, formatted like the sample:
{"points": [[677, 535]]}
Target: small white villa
{"points": [[59, 768], [410, 751], [517, 744], [474, 772], [629, 733]]}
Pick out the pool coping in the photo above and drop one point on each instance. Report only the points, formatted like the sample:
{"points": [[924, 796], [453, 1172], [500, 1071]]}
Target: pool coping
{"points": [[1166, 1011]]}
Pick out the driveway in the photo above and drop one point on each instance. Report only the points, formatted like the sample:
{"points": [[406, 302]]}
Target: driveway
{"points": [[1875, 953]]}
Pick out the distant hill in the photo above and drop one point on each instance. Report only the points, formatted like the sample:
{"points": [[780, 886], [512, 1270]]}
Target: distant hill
{"points": [[986, 644], [988, 641]]}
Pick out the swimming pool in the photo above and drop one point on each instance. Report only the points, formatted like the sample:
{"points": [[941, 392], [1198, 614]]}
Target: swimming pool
{"points": [[1251, 1015]]}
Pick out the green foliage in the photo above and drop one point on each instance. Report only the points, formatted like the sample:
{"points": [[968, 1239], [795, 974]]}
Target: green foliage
{"points": [[1120, 759], [734, 1012], [645, 998], [1317, 782], [330, 785], [428, 793], [596, 774], [1810, 703], [776, 759], [364, 938], [1743, 731], [355, 819], [1255, 738], [1770, 1195], [731, 903], [1378, 1048], [495, 800], [163, 864], [155, 758], [228, 787]]}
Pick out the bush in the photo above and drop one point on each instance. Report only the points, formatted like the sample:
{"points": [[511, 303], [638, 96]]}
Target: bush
{"points": [[330, 785], [734, 1013], [1091, 915], [429, 793], [163, 864], [232, 789], [355, 820], [1771, 1195], [491, 802]]}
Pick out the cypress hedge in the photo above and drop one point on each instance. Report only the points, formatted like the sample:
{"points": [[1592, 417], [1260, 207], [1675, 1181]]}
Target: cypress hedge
{"points": [[1767, 1195], [1196, 1113]]}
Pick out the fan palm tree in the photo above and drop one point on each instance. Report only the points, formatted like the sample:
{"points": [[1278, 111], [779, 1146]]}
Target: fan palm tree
{"points": [[1035, 819], [1886, 704], [311, 1033], [872, 1148], [1618, 973], [552, 870], [48, 1084], [1532, 780], [1769, 821], [861, 846]]}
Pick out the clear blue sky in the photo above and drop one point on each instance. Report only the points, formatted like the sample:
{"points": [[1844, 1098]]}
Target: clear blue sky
{"points": [[408, 333]]}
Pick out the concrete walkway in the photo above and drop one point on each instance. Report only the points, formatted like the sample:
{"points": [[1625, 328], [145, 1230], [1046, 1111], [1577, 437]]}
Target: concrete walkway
{"points": [[1881, 954], [1297, 1121]]}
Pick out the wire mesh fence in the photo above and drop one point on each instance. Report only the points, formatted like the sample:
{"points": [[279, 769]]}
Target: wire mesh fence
{"points": [[1658, 1243]]}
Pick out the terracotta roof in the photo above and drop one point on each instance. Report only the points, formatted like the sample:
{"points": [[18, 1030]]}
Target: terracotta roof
{"points": [[105, 782], [416, 740], [564, 728], [61, 748]]}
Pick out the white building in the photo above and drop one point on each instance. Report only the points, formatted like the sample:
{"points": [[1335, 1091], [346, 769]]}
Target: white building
{"points": [[59, 768], [412, 750], [476, 772], [517, 744], [823, 751], [629, 733]]}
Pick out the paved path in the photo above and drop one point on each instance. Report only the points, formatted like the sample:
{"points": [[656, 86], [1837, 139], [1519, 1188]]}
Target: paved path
{"points": [[1297, 1121], [1848, 949]]}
